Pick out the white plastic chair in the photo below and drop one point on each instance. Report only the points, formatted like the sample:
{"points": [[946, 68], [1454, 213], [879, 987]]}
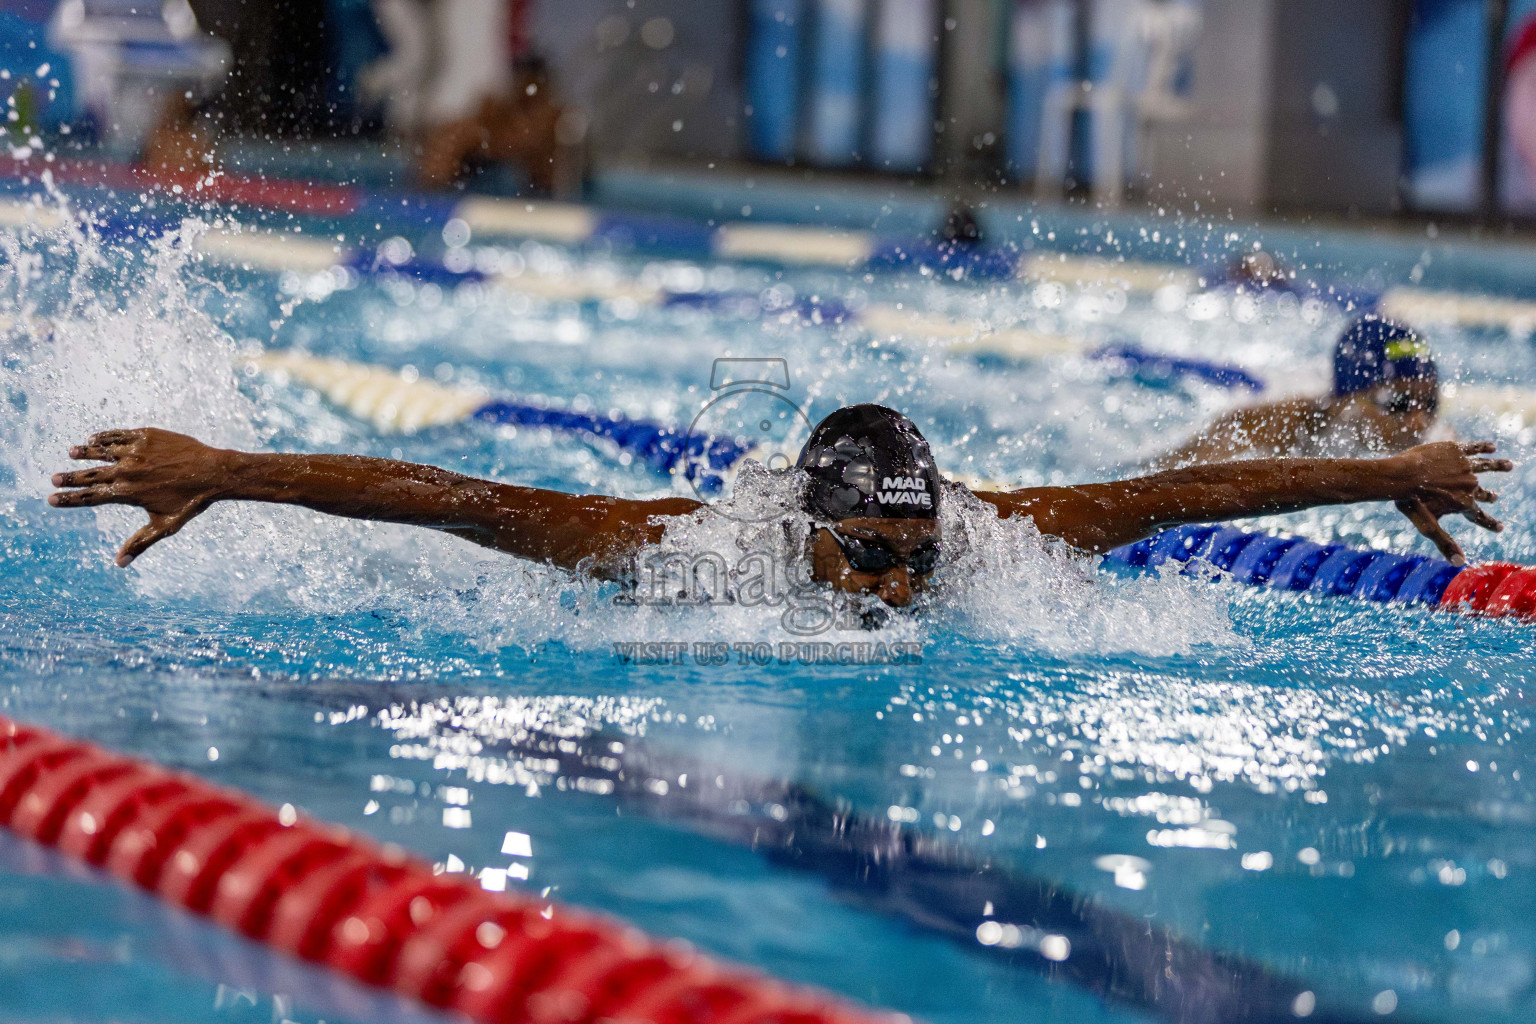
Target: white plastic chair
{"points": [[1155, 42]]}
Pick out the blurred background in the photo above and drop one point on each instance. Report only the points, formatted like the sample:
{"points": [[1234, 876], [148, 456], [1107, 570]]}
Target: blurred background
{"points": [[1372, 107], [1168, 191]]}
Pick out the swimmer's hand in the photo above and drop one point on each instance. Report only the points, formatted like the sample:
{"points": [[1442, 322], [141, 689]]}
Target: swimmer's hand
{"points": [[171, 476], [1441, 479]]}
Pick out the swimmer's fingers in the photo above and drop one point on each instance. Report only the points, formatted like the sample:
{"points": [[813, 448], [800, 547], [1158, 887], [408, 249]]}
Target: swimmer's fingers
{"points": [[1443, 502], [158, 528], [1477, 447], [108, 445], [83, 498], [1428, 524], [123, 437], [1491, 465], [1481, 517], [96, 453], [85, 477]]}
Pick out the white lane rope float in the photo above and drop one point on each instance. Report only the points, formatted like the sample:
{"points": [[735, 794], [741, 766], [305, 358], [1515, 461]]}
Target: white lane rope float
{"points": [[393, 400], [574, 225], [1418, 306], [288, 251]]}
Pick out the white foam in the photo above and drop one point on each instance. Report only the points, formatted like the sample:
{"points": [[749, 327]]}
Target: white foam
{"points": [[86, 361], [129, 345]]}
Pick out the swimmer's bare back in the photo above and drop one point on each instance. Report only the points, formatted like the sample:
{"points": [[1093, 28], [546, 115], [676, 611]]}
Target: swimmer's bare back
{"points": [[174, 477], [1355, 422]]}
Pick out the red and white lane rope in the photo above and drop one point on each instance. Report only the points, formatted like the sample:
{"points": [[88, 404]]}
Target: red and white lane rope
{"points": [[369, 911]]}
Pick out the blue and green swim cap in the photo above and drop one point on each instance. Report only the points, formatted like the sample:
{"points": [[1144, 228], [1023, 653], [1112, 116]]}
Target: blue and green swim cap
{"points": [[1374, 350]]}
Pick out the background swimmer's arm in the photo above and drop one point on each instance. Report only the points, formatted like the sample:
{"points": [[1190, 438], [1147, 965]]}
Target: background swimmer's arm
{"points": [[174, 477], [1426, 483], [1275, 428]]}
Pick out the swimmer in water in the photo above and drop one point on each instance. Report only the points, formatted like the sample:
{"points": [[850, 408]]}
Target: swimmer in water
{"points": [[1256, 271], [871, 488], [1386, 394]]}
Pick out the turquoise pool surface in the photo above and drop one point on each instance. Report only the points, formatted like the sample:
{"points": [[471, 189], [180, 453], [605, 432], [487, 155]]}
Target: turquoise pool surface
{"points": [[1341, 792]]}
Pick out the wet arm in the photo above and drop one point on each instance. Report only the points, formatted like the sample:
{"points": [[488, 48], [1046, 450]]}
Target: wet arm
{"points": [[542, 525], [174, 478], [1425, 482]]}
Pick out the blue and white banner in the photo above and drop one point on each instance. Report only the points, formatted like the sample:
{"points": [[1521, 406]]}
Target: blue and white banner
{"points": [[906, 68], [1445, 88], [1041, 55], [773, 78], [837, 83]]}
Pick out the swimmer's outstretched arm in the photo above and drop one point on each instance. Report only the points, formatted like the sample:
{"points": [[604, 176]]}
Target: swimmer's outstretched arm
{"points": [[1426, 482], [174, 477]]}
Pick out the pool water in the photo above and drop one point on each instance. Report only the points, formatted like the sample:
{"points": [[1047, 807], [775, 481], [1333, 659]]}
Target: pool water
{"points": [[1343, 793]]}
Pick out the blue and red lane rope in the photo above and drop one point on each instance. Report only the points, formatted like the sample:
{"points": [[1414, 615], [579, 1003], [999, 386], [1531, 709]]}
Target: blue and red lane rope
{"points": [[1496, 589]]}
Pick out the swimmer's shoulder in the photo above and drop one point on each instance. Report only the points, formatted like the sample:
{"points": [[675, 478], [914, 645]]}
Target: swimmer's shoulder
{"points": [[1296, 407], [1282, 423]]}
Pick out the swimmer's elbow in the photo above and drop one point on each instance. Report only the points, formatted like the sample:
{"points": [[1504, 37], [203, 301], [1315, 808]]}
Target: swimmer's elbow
{"points": [[1065, 513], [477, 534], [1092, 519], [1084, 537]]}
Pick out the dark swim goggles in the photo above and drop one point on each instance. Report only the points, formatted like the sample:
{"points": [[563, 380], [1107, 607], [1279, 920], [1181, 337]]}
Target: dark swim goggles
{"points": [[1401, 403], [875, 557]]}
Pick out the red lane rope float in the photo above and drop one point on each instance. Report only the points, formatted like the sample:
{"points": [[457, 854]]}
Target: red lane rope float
{"points": [[1473, 587], [1515, 596], [371, 912], [225, 187]]}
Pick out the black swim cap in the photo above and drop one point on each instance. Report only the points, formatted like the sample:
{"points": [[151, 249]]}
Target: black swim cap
{"points": [[869, 461]]}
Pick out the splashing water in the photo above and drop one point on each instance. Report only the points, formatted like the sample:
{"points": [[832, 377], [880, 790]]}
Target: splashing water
{"points": [[1231, 751], [129, 343]]}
